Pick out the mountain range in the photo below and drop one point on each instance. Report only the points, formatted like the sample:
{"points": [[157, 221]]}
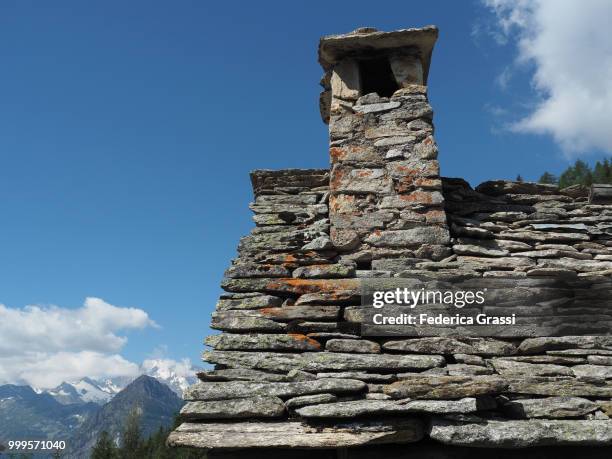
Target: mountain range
{"points": [[102, 391], [78, 411]]}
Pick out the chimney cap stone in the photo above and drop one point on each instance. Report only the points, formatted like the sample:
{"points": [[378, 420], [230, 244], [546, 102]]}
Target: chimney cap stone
{"points": [[367, 40]]}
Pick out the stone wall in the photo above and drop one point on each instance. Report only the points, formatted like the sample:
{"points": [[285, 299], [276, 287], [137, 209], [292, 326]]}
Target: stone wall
{"points": [[292, 370]]}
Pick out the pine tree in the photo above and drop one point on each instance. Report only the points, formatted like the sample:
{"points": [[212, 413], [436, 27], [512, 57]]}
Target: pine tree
{"points": [[548, 178], [131, 438], [104, 448], [578, 174]]}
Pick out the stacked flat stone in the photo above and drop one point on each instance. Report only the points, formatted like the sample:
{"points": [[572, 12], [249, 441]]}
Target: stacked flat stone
{"points": [[295, 365], [291, 369], [386, 193]]}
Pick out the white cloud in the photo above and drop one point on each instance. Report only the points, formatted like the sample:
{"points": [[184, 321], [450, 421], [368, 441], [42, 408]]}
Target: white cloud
{"points": [[569, 44], [45, 345]]}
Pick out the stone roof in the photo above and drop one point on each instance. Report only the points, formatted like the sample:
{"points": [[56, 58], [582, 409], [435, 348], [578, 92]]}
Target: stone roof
{"points": [[292, 371]]}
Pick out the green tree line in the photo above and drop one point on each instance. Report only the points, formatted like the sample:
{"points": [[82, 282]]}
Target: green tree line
{"points": [[132, 445], [581, 174]]}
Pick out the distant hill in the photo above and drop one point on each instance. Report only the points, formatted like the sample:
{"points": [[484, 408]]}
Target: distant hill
{"points": [[156, 402]]}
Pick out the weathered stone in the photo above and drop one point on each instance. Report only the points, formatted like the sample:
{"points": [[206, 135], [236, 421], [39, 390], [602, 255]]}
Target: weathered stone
{"points": [[239, 321], [241, 389], [255, 302], [482, 263], [512, 367], [407, 69], [242, 374], [342, 289], [592, 371], [550, 407], [347, 179], [305, 400], [469, 359], [580, 352], [224, 436], [393, 264], [302, 312], [334, 271], [552, 272], [463, 345], [376, 396], [241, 270], [538, 345], [376, 108], [606, 406], [427, 149], [501, 187], [323, 361], [352, 345], [559, 386], [395, 140], [356, 408], [445, 387], [554, 359], [416, 198], [319, 243], [240, 408], [576, 265], [599, 360], [344, 240], [552, 253], [522, 434], [366, 377], [263, 342], [541, 236], [460, 369], [410, 237], [467, 249], [514, 246]]}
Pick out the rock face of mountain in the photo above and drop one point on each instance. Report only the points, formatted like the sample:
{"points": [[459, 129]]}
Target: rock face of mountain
{"points": [[24, 414], [156, 403]]}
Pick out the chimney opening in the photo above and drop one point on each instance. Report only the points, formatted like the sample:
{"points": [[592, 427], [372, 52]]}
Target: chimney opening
{"points": [[376, 76]]}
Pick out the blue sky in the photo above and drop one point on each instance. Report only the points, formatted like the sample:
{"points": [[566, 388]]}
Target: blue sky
{"points": [[127, 131]]}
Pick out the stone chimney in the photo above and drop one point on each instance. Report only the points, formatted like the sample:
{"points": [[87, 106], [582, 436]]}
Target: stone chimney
{"points": [[386, 194]]}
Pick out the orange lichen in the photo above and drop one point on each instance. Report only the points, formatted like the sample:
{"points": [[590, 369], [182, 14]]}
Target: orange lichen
{"points": [[301, 286], [301, 337]]}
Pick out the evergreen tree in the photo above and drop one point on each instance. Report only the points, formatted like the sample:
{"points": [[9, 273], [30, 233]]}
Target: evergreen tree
{"points": [[578, 174], [548, 178], [131, 437], [602, 172], [104, 448]]}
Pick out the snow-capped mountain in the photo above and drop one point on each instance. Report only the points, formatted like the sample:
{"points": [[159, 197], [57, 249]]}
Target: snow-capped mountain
{"points": [[176, 375], [83, 391]]}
